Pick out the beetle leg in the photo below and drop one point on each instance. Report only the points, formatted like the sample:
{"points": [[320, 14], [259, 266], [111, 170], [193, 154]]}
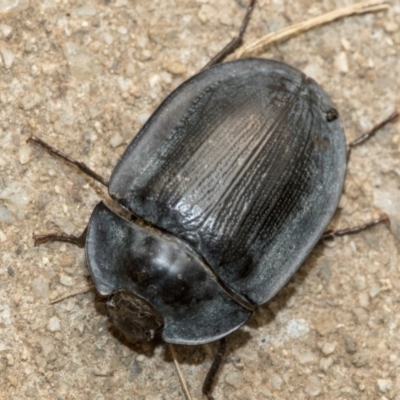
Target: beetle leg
{"points": [[356, 229], [80, 165], [212, 372], [62, 237], [235, 42], [368, 135]]}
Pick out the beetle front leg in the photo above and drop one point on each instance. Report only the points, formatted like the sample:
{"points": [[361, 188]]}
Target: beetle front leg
{"points": [[213, 371], [57, 153], [356, 229], [62, 237]]}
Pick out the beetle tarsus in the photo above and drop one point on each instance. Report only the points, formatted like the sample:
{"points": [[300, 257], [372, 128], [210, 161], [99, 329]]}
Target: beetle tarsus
{"points": [[57, 153], [329, 235], [62, 237], [213, 371], [235, 42]]}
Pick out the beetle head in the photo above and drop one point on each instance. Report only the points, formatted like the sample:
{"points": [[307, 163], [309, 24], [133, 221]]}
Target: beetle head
{"points": [[133, 316]]}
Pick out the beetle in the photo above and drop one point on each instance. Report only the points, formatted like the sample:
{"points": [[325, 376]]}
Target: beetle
{"points": [[222, 183]]}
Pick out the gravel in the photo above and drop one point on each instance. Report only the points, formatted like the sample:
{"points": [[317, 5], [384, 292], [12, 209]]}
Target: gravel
{"points": [[85, 76]]}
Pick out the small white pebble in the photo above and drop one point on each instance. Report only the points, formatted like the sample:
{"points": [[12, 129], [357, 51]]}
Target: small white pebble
{"points": [[345, 44], [363, 300], [314, 386], [5, 215], [24, 354], [54, 324], [146, 55], [121, 3], [325, 364], [375, 290], [234, 379], [5, 30], [8, 58], [328, 348], [296, 328], [341, 63], [116, 140], [30, 100], [206, 13], [97, 127], [7, 6], [109, 39], [25, 154], [10, 360], [175, 68], [391, 27], [166, 77], [225, 19], [124, 84], [66, 280], [384, 385], [142, 118], [276, 381], [34, 70], [3, 236], [122, 30], [85, 11], [154, 80]]}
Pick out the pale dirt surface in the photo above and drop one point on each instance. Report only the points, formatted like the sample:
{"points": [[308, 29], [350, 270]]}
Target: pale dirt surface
{"points": [[85, 75]]}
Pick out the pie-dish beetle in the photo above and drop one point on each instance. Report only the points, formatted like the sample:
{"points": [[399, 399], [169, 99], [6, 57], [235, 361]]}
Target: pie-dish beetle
{"points": [[230, 184]]}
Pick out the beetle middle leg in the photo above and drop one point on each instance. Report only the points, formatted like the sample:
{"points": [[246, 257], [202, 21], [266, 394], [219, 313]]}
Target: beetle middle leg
{"points": [[62, 237], [213, 371]]}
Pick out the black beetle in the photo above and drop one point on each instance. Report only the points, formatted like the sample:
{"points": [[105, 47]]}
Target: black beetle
{"points": [[230, 184]]}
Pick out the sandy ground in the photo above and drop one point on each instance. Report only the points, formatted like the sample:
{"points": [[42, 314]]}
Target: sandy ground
{"points": [[85, 75]]}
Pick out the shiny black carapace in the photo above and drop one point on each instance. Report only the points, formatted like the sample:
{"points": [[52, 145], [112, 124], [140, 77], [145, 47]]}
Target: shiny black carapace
{"points": [[236, 176]]}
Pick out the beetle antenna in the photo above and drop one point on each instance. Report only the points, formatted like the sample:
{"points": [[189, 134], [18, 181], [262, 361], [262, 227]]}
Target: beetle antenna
{"points": [[178, 370], [57, 153], [72, 294]]}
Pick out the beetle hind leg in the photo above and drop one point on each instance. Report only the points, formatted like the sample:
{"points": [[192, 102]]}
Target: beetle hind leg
{"points": [[368, 135], [235, 42], [62, 237], [355, 229], [213, 371]]}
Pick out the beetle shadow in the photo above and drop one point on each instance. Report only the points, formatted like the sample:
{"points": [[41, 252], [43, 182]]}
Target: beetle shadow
{"points": [[267, 313]]}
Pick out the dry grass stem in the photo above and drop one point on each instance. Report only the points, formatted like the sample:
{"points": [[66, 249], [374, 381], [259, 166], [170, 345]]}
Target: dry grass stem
{"points": [[296, 29], [178, 370]]}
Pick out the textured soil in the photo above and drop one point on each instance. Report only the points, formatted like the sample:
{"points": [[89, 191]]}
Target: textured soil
{"points": [[84, 76]]}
